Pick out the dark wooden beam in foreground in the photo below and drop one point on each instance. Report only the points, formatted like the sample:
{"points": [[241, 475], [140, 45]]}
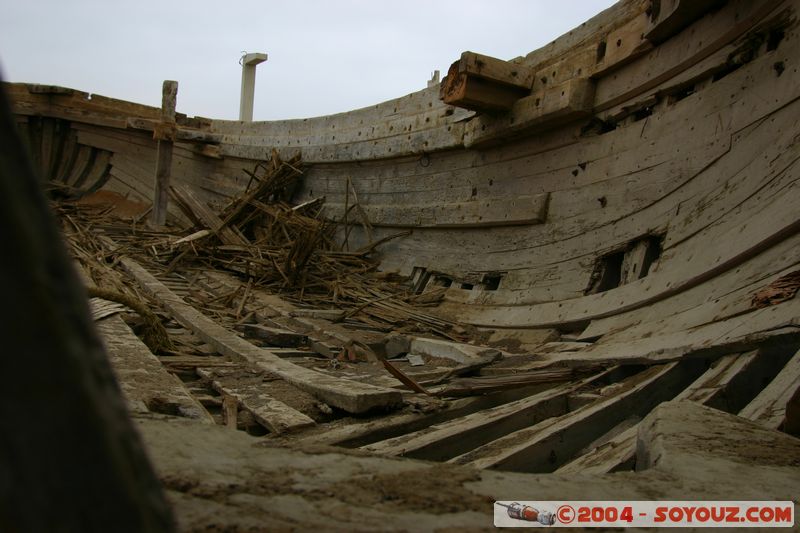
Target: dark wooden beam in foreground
{"points": [[70, 458]]}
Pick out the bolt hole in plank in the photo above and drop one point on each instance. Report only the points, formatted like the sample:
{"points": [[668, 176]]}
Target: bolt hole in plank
{"points": [[601, 51]]}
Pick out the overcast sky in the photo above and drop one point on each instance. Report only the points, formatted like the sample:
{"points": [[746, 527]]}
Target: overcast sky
{"points": [[324, 56]]}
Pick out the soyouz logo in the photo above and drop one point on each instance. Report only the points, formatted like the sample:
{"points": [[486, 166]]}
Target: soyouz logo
{"points": [[644, 514]]}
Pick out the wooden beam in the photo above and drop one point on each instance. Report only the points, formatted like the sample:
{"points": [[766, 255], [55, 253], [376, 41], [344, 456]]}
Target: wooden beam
{"points": [[165, 136], [521, 210], [199, 212], [449, 439], [281, 338], [623, 45], [548, 444], [143, 379], [668, 17], [620, 451], [268, 411], [769, 407], [349, 395], [545, 109], [496, 70], [183, 134], [484, 83]]}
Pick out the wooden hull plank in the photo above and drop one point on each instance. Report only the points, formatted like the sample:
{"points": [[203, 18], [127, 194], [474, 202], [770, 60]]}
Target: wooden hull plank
{"points": [[542, 447], [451, 438], [268, 411], [621, 449], [131, 359], [351, 396], [769, 407]]}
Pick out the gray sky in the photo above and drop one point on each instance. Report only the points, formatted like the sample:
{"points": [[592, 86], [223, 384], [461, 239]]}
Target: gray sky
{"points": [[324, 57]]}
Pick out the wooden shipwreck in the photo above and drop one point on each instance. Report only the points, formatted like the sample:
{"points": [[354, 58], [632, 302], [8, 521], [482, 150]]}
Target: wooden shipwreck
{"points": [[579, 262]]}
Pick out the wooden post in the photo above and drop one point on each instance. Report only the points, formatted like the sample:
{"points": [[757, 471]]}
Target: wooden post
{"points": [[249, 62], [165, 134]]}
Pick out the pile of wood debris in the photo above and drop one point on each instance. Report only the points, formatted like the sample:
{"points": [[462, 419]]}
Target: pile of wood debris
{"points": [[288, 250]]}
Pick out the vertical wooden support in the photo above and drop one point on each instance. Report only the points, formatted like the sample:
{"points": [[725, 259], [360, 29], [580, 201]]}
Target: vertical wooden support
{"points": [[230, 411], [165, 134], [249, 63]]}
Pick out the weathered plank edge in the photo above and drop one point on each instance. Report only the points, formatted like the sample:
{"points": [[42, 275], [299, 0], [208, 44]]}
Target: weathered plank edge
{"points": [[351, 396]]}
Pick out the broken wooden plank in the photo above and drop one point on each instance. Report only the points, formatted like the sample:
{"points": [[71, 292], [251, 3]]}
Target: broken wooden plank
{"points": [[351, 396], [782, 289], [487, 384], [405, 380], [230, 412], [463, 369], [268, 411], [544, 446], [484, 83], [202, 214], [495, 70], [333, 315], [545, 109], [620, 451], [273, 336], [102, 308], [453, 437], [193, 237], [142, 378], [456, 351]]}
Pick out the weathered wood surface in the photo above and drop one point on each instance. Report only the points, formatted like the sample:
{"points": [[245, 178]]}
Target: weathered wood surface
{"points": [[620, 451], [672, 16], [348, 395], [496, 70], [484, 83], [546, 109], [769, 407], [513, 211], [454, 437], [165, 134], [199, 211], [544, 446], [274, 336], [773, 325], [145, 382], [255, 398]]}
